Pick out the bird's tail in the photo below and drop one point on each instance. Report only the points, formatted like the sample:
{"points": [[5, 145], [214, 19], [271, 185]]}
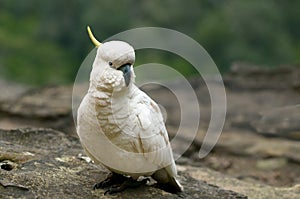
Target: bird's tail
{"points": [[167, 182], [175, 185]]}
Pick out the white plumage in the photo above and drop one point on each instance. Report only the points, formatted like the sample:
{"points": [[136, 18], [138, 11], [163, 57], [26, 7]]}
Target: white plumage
{"points": [[120, 126]]}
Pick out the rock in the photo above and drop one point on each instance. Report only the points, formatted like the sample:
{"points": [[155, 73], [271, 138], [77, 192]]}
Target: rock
{"points": [[10, 90], [264, 100], [254, 78], [258, 146], [49, 107], [280, 122], [46, 164], [271, 163], [251, 189], [244, 155], [47, 102]]}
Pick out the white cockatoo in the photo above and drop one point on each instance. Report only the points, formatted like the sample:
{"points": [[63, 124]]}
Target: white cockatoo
{"points": [[121, 127]]}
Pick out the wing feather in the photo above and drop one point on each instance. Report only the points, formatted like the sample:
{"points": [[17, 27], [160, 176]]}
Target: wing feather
{"points": [[153, 139]]}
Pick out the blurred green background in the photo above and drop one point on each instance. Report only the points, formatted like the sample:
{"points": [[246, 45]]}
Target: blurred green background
{"points": [[44, 42]]}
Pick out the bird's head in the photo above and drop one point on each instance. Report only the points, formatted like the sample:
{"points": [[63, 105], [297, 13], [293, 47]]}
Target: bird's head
{"points": [[113, 59]]}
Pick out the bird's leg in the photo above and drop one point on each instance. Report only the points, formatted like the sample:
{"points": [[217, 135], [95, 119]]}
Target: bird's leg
{"points": [[129, 183], [112, 179]]}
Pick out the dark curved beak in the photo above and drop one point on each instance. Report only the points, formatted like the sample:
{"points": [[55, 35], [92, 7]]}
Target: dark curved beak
{"points": [[126, 69]]}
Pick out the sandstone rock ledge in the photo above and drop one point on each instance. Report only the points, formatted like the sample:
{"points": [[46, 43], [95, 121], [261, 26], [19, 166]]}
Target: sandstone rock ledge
{"points": [[43, 163]]}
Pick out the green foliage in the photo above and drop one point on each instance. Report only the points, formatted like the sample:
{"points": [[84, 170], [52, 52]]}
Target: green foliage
{"points": [[46, 41]]}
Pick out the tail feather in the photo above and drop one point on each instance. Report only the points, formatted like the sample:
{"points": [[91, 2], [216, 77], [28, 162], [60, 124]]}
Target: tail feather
{"points": [[176, 186], [167, 182]]}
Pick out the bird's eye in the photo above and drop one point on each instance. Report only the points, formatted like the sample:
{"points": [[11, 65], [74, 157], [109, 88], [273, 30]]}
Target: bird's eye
{"points": [[110, 63]]}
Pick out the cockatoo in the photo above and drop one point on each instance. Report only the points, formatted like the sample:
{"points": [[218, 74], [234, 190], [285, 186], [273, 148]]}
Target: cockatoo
{"points": [[121, 127]]}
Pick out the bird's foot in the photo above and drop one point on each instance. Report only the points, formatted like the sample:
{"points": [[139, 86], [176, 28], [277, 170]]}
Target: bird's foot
{"points": [[129, 183], [111, 180]]}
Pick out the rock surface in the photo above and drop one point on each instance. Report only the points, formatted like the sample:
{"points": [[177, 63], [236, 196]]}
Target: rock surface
{"points": [[49, 107], [251, 189], [43, 163]]}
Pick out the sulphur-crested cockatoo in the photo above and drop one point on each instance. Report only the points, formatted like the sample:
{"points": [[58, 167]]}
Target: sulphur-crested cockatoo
{"points": [[121, 127]]}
